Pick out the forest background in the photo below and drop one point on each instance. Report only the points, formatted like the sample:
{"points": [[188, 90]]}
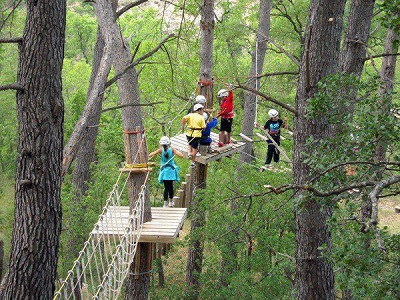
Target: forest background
{"points": [[266, 239]]}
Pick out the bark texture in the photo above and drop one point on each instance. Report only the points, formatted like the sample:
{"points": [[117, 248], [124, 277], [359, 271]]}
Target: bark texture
{"points": [[314, 275], [135, 143], [85, 154], [196, 243], [37, 225], [256, 69], [195, 253]]}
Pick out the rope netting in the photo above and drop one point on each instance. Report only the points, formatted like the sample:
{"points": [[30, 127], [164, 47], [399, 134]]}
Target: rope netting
{"points": [[104, 261]]}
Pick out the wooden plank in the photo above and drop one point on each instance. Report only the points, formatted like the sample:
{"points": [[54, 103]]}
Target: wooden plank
{"points": [[135, 170], [163, 228]]}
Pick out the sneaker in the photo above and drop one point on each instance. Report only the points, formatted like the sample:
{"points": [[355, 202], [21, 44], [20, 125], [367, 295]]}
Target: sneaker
{"points": [[165, 204], [198, 154], [193, 165], [220, 144], [190, 156], [171, 204]]}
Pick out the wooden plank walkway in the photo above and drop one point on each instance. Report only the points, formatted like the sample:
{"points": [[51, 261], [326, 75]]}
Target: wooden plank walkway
{"points": [[180, 142], [163, 228]]}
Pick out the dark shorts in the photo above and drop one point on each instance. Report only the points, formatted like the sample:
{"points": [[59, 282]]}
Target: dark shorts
{"points": [[226, 125], [193, 141]]}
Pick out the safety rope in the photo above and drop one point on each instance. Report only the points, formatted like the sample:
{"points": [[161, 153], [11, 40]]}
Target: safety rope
{"points": [[103, 263]]}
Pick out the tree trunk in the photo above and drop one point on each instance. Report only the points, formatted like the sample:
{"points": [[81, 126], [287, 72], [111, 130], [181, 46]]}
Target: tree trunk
{"points": [[137, 285], [1, 258], [85, 154], [387, 76], [386, 88], [195, 253], [196, 243], [93, 104], [86, 147], [40, 107], [256, 69], [229, 254], [314, 275]]}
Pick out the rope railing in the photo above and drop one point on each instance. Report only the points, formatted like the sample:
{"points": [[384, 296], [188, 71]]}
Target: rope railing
{"points": [[103, 263]]}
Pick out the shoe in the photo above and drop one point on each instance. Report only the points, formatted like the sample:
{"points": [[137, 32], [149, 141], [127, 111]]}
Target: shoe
{"points": [[165, 204], [171, 204], [198, 154], [220, 144], [193, 165], [190, 156], [228, 142]]}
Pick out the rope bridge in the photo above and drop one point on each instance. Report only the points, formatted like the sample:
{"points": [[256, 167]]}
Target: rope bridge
{"points": [[104, 261]]}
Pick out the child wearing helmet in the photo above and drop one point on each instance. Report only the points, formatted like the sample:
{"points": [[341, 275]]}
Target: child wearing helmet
{"points": [[169, 171], [225, 97], [195, 125], [273, 125], [200, 99]]}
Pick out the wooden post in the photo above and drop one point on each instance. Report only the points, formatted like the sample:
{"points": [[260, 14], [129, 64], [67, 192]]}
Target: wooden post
{"points": [[181, 194], [183, 200], [176, 201], [203, 149], [188, 192]]}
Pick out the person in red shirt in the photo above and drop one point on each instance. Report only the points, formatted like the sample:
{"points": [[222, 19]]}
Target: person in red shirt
{"points": [[225, 97]]}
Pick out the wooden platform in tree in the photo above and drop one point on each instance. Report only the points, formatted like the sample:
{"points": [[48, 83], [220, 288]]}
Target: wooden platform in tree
{"points": [[180, 142], [163, 228]]}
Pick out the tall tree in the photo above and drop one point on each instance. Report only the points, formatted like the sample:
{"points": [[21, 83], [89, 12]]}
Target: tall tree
{"points": [[257, 64], [137, 285], [37, 225], [196, 244], [314, 274]]}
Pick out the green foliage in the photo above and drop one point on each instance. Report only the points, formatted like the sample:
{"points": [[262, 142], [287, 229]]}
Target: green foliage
{"points": [[391, 14]]}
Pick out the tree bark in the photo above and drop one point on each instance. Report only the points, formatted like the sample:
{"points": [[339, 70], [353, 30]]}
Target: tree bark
{"points": [[93, 101], [136, 149], [258, 56], [196, 243], [37, 225], [386, 88], [85, 153], [314, 275], [195, 253]]}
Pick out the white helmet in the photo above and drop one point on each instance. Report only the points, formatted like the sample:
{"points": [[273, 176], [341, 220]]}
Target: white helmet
{"points": [[273, 113], [205, 116], [164, 141], [201, 99], [197, 106], [222, 93]]}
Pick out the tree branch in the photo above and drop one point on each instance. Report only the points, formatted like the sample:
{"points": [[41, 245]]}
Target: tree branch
{"points": [[130, 104], [277, 74], [370, 57], [136, 62], [11, 40], [374, 196], [128, 7], [285, 106], [13, 86]]}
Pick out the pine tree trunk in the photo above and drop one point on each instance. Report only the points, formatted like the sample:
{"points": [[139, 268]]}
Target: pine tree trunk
{"points": [[40, 108], [196, 243], [195, 253], [256, 69], [85, 154], [314, 274], [137, 285]]}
